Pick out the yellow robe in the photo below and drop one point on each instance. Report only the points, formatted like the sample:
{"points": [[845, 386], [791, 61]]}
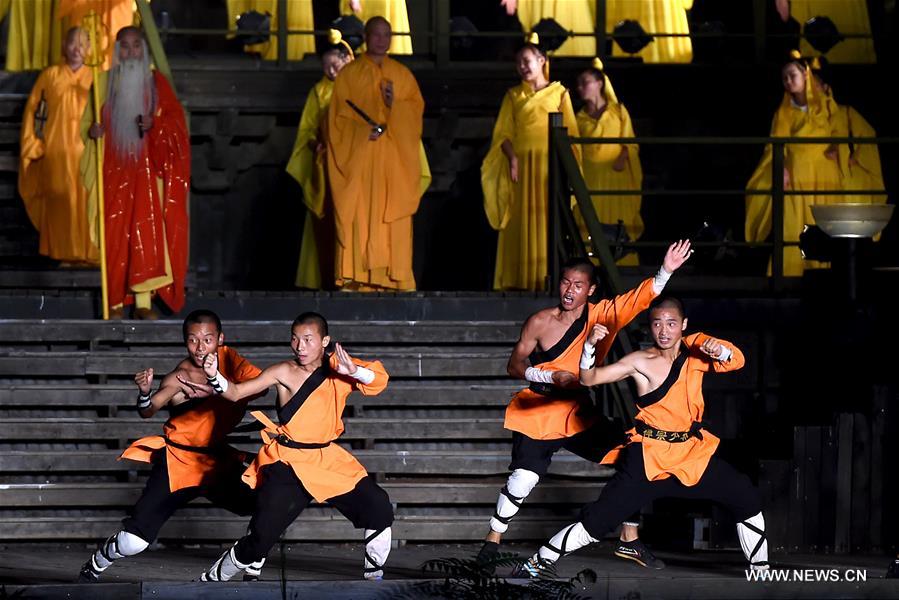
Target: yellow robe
{"points": [[299, 17], [519, 210], [574, 15], [49, 178], [599, 174], [850, 16], [396, 14], [809, 170], [655, 16], [376, 185], [308, 168]]}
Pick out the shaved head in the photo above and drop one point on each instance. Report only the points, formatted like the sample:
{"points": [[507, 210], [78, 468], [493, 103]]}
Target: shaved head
{"points": [[371, 23], [669, 302]]}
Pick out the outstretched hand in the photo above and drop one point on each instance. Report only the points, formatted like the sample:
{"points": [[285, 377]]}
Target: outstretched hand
{"points": [[677, 254], [144, 381], [192, 389], [345, 364]]}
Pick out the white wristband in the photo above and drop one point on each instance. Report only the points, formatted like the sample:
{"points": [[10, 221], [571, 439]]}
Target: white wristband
{"points": [[538, 375], [363, 375], [659, 281], [143, 402], [218, 383], [724, 354], [588, 356]]}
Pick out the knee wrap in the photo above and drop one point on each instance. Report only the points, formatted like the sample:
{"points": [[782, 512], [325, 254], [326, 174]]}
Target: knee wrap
{"points": [[568, 540], [226, 567], [753, 541], [377, 548], [117, 546], [521, 482]]}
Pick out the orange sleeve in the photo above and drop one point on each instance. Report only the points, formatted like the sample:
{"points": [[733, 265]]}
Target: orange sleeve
{"points": [[380, 382], [707, 363], [622, 309], [236, 367]]}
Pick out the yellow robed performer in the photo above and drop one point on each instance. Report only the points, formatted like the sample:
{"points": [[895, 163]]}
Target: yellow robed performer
{"points": [[655, 16], [578, 16], [514, 172], [850, 17], [50, 152], [609, 166], [94, 27], [299, 18], [807, 167], [394, 11]]}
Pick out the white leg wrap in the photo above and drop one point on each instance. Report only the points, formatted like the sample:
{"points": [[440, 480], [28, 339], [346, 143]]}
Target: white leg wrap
{"points": [[254, 569], [377, 549], [226, 567], [521, 482], [118, 546], [752, 538], [569, 539]]}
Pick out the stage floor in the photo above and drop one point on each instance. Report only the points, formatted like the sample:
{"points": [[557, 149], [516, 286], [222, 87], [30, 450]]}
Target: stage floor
{"points": [[332, 571]]}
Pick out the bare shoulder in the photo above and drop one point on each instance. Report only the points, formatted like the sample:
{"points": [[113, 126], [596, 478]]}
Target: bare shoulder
{"points": [[540, 320]]}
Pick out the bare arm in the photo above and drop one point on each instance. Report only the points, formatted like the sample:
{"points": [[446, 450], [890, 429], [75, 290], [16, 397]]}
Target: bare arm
{"points": [[169, 390], [235, 391], [619, 371], [527, 343]]}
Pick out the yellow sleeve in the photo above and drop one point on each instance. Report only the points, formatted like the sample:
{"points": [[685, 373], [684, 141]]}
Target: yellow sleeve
{"points": [[425, 168], [496, 181], [302, 163], [758, 207], [570, 122], [31, 149], [635, 168], [866, 157], [404, 127]]}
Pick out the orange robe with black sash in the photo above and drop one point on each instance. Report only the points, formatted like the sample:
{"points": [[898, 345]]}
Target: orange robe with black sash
{"points": [[200, 423], [552, 412], [675, 406], [313, 416]]}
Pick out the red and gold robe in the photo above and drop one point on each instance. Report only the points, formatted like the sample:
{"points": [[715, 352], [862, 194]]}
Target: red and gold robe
{"points": [[541, 416], [675, 406], [313, 416], [200, 423]]}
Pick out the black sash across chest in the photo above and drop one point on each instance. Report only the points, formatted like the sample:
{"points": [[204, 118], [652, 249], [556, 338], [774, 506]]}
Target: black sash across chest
{"points": [[539, 357], [318, 377], [661, 391]]}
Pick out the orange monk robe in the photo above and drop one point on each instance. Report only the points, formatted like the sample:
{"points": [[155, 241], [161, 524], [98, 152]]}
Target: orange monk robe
{"points": [[201, 423], [680, 407], [599, 174], [49, 178], [542, 417], [145, 204], [520, 210], [114, 14], [376, 185], [313, 416], [810, 170]]}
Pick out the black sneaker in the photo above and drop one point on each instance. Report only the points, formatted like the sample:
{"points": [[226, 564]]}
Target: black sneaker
{"points": [[893, 570], [88, 574], [639, 553], [487, 555], [250, 577]]}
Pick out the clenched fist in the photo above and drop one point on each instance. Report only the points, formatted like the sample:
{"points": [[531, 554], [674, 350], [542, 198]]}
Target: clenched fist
{"points": [[144, 381], [598, 333]]}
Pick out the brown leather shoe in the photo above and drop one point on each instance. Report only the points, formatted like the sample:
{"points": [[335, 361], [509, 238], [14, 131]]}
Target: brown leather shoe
{"points": [[117, 314], [146, 314]]}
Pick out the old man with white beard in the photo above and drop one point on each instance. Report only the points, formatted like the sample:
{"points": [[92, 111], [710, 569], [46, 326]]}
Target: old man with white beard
{"points": [[146, 178]]}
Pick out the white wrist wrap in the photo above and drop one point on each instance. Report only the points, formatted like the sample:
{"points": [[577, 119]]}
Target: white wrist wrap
{"points": [[724, 354], [659, 281], [363, 375], [538, 375], [218, 383], [143, 402], [588, 356]]}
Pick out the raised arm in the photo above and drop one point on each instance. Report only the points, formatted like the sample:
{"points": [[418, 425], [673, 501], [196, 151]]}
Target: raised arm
{"points": [[719, 355], [590, 374], [370, 377], [149, 403]]}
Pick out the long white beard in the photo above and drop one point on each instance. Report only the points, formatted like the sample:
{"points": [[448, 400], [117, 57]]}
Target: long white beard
{"points": [[131, 94]]}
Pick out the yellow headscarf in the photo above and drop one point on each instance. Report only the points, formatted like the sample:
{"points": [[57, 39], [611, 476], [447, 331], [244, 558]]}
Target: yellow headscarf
{"points": [[335, 38], [607, 89], [534, 39]]}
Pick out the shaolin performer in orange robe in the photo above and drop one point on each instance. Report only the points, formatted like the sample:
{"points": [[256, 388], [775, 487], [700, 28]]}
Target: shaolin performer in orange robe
{"points": [[191, 458], [375, 168], [299, 461], [669, 453], [50, 153], [555, 410], [146, 178]]}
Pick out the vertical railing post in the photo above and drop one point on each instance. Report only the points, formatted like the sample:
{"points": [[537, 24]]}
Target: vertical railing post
{"points": [[554, 181], [777, 214], [282, 32], [600, 28], [442, 33]]}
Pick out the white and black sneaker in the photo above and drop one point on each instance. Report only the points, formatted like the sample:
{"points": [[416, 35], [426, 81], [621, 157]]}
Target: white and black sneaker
{"points": [[639, 553]]}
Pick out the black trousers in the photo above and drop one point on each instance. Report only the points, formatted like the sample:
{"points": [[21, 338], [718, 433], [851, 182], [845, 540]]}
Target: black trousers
{"points": [[629, 489], [591, 444], [282, 498], [157, 502]]}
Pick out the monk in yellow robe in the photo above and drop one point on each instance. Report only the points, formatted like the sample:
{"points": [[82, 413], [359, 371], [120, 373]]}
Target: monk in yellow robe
{"points": [[807, 167], [375, 170], [393, 11], [655, 16], [514, 173], [50, 153], [307, 166], [609, 166], [850, 17], [578, 16], [299, 18]]}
